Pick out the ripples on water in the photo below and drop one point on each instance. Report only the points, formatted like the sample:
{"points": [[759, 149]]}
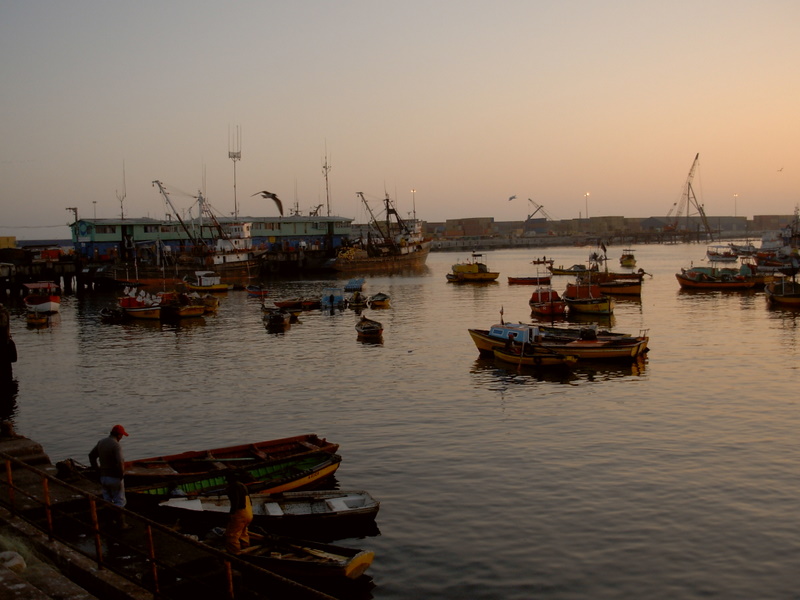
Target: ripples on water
{"points": [[675, 478]]}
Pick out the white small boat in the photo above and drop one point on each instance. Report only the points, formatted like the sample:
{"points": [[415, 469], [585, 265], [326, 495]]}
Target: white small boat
{"points": [[42, 297]]}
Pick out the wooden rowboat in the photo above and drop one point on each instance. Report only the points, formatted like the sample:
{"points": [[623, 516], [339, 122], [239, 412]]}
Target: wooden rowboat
{"points": [[174, 466], [288, 512], [256, 291], [589, 346], [367, 328], [269, 477], [306, 559]]}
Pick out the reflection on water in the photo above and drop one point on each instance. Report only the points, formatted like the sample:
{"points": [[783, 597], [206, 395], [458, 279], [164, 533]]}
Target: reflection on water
{"points": [[673, 460], [488, 372]]}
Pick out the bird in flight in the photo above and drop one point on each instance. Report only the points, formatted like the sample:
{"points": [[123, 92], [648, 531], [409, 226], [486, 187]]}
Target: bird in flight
{"points": [[781, 169], [511, 198], [266, 195]]}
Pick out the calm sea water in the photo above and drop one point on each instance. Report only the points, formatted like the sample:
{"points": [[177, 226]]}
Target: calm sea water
{"points": [[674, 479]]}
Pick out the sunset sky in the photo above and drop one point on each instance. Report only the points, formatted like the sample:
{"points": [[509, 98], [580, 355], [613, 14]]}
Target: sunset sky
{"points": [[468, 103]]}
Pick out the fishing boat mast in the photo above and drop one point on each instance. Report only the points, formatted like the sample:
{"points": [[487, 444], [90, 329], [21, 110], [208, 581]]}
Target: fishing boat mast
{"points": [[235, 154], [195, 240]]}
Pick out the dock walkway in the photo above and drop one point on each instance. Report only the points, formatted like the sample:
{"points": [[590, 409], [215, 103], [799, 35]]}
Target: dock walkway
{"points": [[76, 552]]}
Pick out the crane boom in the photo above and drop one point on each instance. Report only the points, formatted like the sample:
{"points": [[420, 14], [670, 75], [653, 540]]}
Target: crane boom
{"points": [[687, 201]]}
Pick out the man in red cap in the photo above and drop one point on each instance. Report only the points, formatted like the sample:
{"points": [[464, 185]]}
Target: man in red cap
{"points": [[109, 452]]}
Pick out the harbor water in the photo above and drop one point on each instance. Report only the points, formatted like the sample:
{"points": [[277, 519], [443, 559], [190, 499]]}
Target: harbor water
{"points": [[677, 477]]}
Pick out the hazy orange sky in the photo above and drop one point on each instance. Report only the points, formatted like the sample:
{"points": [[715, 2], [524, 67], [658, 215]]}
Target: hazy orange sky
{"points": [[467, 102]]}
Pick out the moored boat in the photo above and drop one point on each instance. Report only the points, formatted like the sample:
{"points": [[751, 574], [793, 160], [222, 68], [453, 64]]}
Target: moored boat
{"points": [[379, 300], [332, 297], [276, 319], [357, 300], [198, 462], [627, 259], [368, 328], [307, 559], [256, 291], [290, 512], [542, 261], [588, 346], [546, 302], [270, 477], [711, 278], [621, 287], [721, 254], [206, 281], [783, 292], [289, 303], [391, 244], [474, 270], [176, 305], [746, 249], [42, 297], [573, 270], [140, 307], [588, 298], [354, 285]]}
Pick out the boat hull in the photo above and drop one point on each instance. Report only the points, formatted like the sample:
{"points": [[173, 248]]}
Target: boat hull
{"points": [[783, 293], [43, 304], [594, 306], [545, 280], [472, 277], [622, 288], [536, 356]]}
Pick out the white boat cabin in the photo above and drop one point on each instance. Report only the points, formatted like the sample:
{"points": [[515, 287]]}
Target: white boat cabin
{"points": [[516, 332], [207, 278]]}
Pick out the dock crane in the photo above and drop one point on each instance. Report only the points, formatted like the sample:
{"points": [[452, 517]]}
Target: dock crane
{"points": [[538, 208], [686, 203]]}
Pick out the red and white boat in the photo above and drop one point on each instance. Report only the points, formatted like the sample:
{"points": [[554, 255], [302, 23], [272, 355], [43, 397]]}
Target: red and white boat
{"points": [[43, 297]]}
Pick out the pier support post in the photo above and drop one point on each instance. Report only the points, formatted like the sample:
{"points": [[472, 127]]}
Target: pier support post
{"points": [[8, 350]]}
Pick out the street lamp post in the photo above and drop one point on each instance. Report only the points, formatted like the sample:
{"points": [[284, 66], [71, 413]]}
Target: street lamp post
{"points": [[414, 203], [735, 196], [586, 204]]}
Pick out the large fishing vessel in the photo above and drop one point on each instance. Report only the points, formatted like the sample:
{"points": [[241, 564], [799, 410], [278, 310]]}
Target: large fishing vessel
{"points": [[390, 243]]}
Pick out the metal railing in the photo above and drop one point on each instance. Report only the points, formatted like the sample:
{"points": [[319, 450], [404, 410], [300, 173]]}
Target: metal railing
{"points": [[146, 553]]}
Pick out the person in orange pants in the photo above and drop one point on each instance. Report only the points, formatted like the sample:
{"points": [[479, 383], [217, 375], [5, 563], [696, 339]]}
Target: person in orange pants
{"points": [[237, 536]]}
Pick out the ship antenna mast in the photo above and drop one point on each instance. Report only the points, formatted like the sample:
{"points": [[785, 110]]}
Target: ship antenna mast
{"points": [[235, 154], [325, 170], [124, 193]]}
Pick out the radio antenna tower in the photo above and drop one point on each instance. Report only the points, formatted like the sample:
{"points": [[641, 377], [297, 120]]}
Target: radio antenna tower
{"points": [[124, 193], [235, 154]]}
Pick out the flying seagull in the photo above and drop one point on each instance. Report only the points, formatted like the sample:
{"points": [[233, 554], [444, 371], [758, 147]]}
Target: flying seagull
{"points": [[266, 195], [512, 198]]}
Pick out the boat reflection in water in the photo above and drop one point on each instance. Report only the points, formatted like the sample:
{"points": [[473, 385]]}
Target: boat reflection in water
{"points": [[489, 372]]}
